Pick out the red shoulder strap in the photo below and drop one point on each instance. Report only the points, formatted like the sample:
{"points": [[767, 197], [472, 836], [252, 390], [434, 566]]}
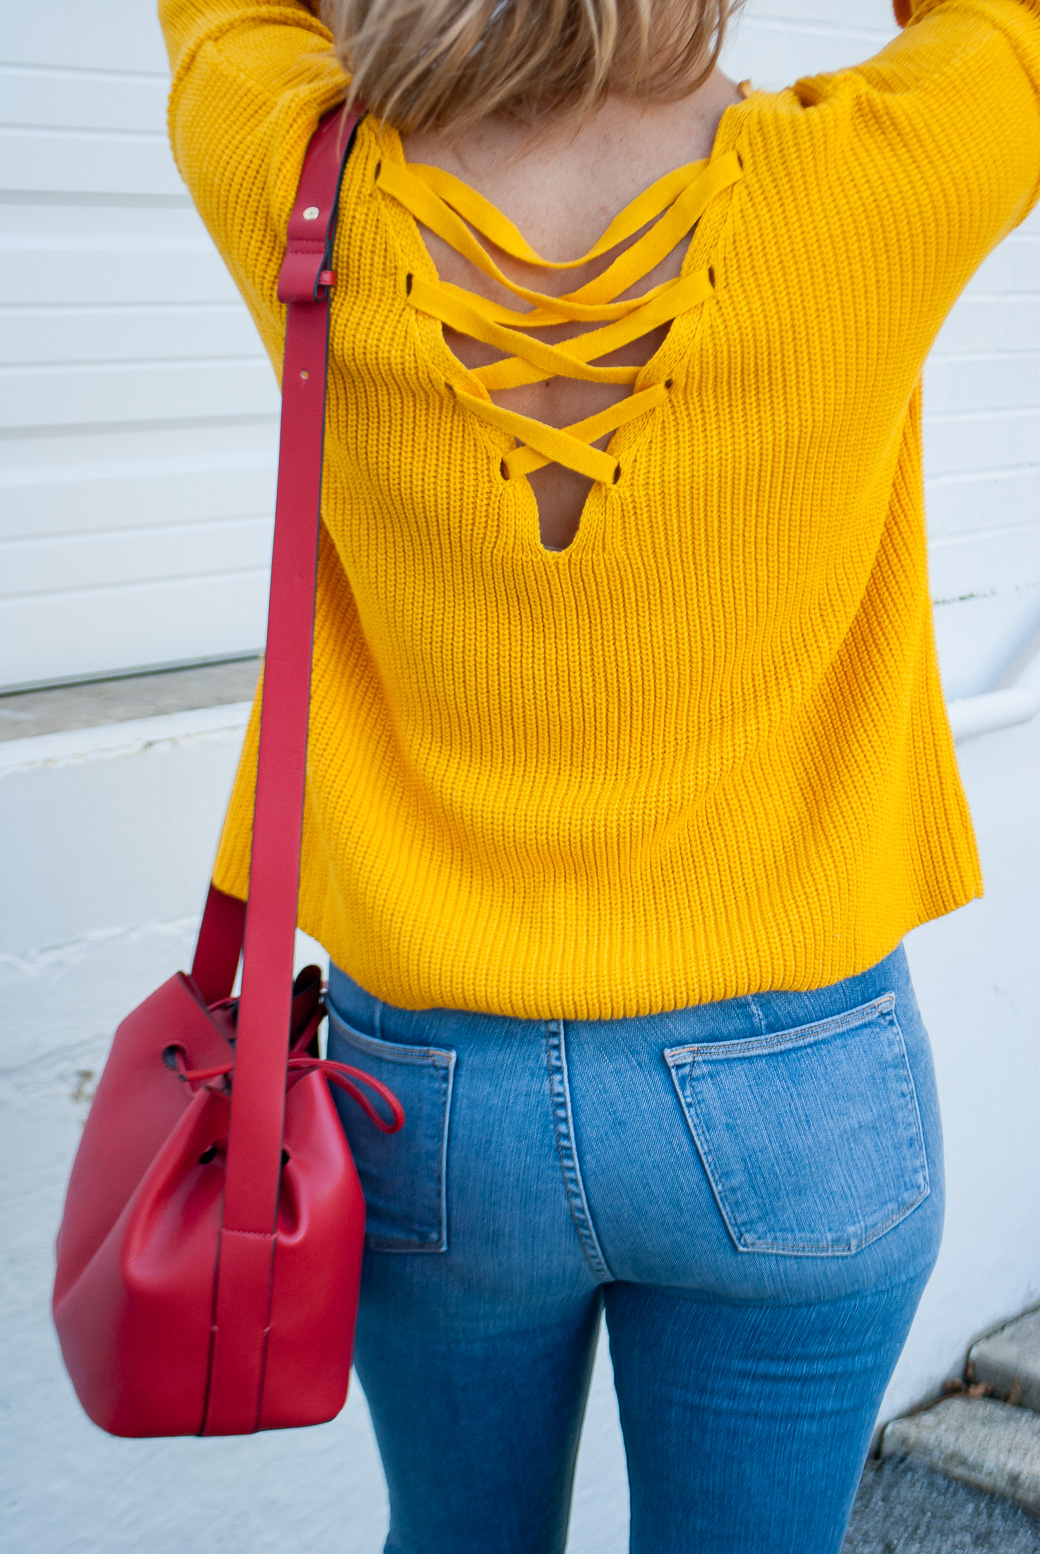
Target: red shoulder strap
{"points": [[258, 1084]]}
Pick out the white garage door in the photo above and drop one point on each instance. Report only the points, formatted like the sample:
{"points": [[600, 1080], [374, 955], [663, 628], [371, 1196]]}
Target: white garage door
{"points": [[139, 415]]}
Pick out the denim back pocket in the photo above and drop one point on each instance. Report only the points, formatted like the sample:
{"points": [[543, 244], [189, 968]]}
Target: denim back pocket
{"points": [[811, 1138], [403, 1175]]}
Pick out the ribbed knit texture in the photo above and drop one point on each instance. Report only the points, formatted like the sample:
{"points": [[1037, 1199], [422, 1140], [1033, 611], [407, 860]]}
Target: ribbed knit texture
{"points": [[703, 751]]}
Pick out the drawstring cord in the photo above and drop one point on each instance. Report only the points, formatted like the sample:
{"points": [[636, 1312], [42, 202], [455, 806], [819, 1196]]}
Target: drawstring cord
{"points": [[344, 1075]]}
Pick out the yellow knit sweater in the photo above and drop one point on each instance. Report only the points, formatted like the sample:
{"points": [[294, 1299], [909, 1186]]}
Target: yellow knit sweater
{"points": [[703, 751]]}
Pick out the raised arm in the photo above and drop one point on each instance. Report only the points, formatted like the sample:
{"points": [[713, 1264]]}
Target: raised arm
{"points": [[932, 148], [250, 82], [988, 88]]}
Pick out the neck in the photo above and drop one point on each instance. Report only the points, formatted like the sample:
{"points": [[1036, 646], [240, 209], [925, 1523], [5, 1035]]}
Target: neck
{"points": [[611, 132]]}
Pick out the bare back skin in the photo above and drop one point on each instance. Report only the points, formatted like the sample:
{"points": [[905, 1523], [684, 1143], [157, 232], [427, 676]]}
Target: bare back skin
{"points": [[561, 191]]}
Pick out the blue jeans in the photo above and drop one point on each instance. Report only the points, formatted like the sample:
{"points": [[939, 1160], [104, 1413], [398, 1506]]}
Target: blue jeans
{"points": [[751, 1190]]}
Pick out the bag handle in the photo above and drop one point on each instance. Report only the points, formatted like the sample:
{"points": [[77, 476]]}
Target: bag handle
{"points": [[254, 1152]]}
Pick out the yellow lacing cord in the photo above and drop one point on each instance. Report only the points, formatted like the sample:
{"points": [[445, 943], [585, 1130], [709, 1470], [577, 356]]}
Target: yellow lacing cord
{"points": [[592, 302], [570, 358], [487, 218], [445, 205]]}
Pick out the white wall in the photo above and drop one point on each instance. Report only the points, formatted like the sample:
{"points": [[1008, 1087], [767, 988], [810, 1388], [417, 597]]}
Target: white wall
{"points": [[137, 410]]}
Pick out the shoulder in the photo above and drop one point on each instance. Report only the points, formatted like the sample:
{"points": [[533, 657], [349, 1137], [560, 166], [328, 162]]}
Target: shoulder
{"points": [[250, 83]]}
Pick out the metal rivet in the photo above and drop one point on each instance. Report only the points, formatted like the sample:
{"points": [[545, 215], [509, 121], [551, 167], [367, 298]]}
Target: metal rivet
{"points": [[305, 374], [311, 213]]}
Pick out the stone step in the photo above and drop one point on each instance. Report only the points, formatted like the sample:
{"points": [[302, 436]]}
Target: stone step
{"points": [[1009, 1361], [992, 1445]]}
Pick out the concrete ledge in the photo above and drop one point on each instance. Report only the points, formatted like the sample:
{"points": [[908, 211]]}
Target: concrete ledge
{"points": [[971, 716], [106, 829], [1009, 1361], [93, 703], [990, 1445], [127, 738]]}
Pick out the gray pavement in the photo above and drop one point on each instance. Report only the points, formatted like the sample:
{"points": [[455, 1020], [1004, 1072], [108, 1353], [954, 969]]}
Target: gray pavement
{"points": [[24, 714], [1008, 1361], [904, 1508]]}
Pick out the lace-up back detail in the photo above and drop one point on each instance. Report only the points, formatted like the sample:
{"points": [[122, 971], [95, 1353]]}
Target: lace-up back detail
{"points": [[703, 752], [669, 209]]}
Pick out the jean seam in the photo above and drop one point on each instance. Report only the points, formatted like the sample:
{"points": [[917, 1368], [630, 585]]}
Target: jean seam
{"points": [[759, 1017], [441, 1061], [796, 1036], [570, 1169], [391, 1051]]}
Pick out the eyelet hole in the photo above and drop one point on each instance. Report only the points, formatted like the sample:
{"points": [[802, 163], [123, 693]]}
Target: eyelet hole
{"points": [[668, 382], [740, 161], [617, 473], [209, 1155], [503, 470], [379, 169], [408, 284], [711, 274]]}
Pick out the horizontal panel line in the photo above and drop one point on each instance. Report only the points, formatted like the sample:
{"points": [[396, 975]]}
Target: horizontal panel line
{"points": [[64, 131], [20, 371], [981, 413], [95, 199], [82, 72], [1006, 294], [173, 423], [136, 363], [36, 475], [947, 541], [132, 672], [102, 589], [1003, 472], [80, 536], [1026, 354], [121, 309], [131, 244]]}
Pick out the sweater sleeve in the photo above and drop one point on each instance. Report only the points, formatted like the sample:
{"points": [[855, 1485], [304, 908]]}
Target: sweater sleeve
{"points": [[933, 145], [1000, 41], [250, 82]]}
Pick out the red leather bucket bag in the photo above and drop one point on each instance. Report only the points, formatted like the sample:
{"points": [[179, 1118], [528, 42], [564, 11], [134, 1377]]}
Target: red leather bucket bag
{"points": [[209, 1255]]}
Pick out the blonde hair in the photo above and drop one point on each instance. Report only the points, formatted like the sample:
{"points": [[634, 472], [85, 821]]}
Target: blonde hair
{"points": [[444, 64]]}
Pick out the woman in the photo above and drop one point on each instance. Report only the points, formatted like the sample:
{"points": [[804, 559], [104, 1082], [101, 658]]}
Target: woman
{"points": [[629, 765]]}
